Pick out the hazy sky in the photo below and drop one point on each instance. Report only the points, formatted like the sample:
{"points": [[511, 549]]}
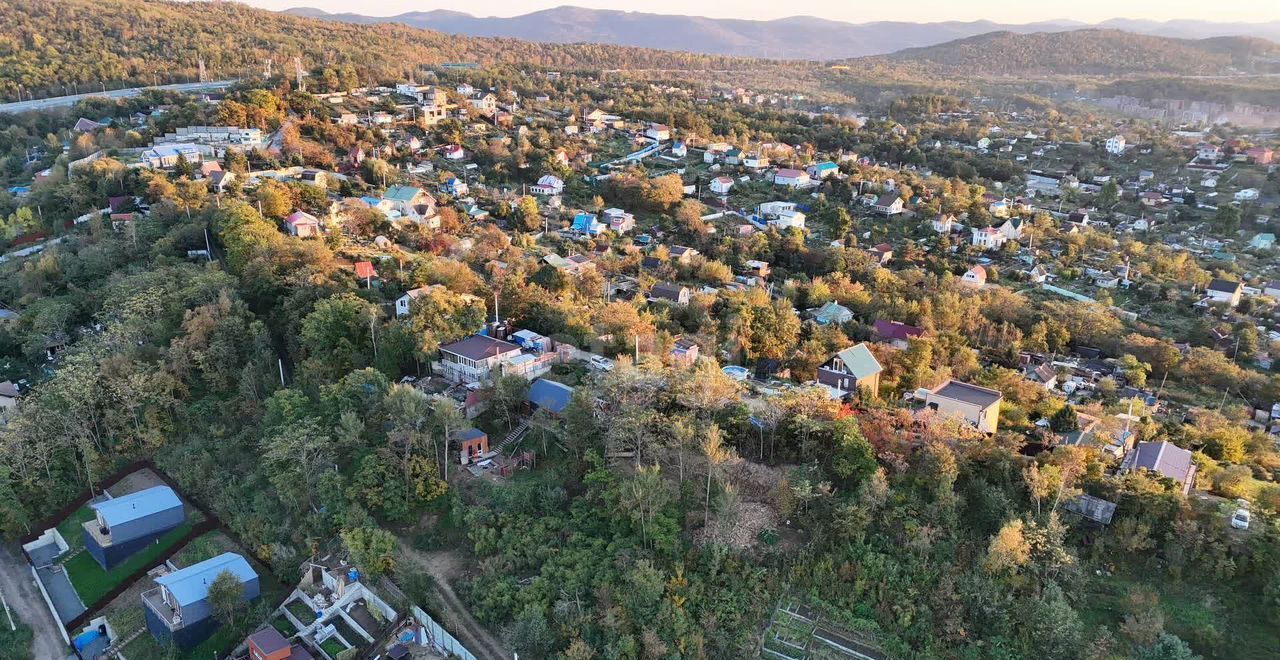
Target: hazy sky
{"points": [[1004, 11]]}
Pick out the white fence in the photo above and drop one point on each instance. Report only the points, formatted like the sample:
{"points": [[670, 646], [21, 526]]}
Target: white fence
{"points": [[434, 635]]}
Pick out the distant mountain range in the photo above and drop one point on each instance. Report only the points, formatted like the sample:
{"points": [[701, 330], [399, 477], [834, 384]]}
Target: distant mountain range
{"points": [[787, 38]]}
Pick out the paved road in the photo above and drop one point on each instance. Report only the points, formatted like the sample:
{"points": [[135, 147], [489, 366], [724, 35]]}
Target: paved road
{"points": [[25, 601], [64, 101]]}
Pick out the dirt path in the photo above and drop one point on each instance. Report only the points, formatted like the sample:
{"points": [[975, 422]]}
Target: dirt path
{"points": [[25, 601], [444, 569]]}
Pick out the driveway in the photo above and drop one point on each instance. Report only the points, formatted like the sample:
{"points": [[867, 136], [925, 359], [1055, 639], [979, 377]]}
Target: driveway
{"points": [[25, 601]]}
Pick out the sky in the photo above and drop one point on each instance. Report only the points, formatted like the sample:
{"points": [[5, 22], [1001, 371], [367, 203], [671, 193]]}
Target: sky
{"points": [[1003, 11]]}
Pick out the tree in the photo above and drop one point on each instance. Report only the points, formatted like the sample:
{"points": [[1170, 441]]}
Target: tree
{"points": [[527, 215], [1134, 370], [1109, 195], [226, 597], [716, 454], [1009, 550], [644, 497], [1168, 647], [1065, 420], [372, 549], [509, 393]]}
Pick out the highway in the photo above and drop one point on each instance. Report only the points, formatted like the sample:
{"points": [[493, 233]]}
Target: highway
{"points": [[65, 101]]}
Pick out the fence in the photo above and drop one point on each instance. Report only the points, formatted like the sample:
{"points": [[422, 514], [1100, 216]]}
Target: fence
{"points": [[439, 638]]}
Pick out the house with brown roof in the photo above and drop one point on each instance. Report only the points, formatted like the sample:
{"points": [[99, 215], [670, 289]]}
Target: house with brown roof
{"points": [[1165, 459], [476, 359], [669, 292]]}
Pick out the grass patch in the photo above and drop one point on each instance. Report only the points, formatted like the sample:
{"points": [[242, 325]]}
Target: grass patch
{"points": [[1218, 619], [92, 583], [16, 644], [333, 647], [72, 529], [281, 623], [301, 612]]}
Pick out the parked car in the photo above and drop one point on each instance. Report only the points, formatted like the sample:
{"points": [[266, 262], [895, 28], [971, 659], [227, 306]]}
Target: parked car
{"points": [[601, 363], [1240, 519]]}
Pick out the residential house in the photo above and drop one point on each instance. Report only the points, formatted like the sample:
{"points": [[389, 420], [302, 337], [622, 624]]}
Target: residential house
{"points": [[832, 313], [166, 156], [851, 370], [1012, 228], [619, 221], [455, 187], [1037, 274], [999, 208], [365, 272], [684, 351], [302, 224], [1260, 155], [476, 359], [670, 292], [682, 254], [791, 178], [1272, 289], [572, 265], [975, 277], [1246, 195], [1043, 375], [1224, 291], [473, 445], [721, 185], [484, 102], [659, 132], [888, 204], [1165, 459], [412, 203], [980, 406], [781, 214], [944, 223], [820, 171], [1115, 145], [989, 238], [1264, 241], [755, 161], [178, 611], [587, 223], [10, 395], [454, 152], [548, 184], [756, 268], [1208, 152], [895, 333], [679, 150], [882, 253], [124, 525]]}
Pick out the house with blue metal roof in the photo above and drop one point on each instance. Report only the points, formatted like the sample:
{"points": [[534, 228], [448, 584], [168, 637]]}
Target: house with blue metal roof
{"points": [[550, 395], [124, 525], [588, 223], [178, 610]]}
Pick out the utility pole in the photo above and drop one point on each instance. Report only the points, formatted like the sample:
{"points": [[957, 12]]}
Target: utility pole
{"points": [[297, 70], [202, 74]]}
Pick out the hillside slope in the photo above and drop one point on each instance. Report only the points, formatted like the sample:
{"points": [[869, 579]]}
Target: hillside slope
{"points": [[1093, 52], [47, 43]]}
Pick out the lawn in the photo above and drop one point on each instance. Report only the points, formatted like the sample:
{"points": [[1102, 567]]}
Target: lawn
{"points": [[281, 622], [92, 583], [72, 530]]}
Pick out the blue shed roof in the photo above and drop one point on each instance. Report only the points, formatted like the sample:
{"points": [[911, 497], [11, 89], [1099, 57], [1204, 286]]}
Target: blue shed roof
{"points": [[550, 395], [191, 584], [137, 505]]}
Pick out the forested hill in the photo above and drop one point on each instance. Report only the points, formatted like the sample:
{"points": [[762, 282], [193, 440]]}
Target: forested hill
{"points": [[47, 43], [1093, 52]]}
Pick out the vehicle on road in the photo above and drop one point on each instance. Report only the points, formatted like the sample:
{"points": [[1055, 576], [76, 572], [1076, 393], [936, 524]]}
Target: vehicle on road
{"points": [[1240, 519], [601, 363]]}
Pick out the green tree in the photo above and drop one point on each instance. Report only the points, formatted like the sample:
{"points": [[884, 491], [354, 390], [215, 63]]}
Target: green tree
{"points": [[226, 597], [372, 549]]}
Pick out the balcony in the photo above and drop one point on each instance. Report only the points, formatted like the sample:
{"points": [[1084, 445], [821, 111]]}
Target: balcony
{"points": [[103, 539], [171, 616]]}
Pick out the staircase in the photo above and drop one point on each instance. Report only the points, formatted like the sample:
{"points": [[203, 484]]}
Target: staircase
{"points": [[514, 436], [114, 650]]}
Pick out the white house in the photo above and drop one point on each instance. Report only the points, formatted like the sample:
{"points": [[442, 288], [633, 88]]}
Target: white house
{"points": [[975, 277], [999, 208], [1115, 145], [820, 171], [1208, 152], [455, 152], [619, 221], [549, 184], [781, 214], [302, 224], [755, 161], [989, 238], [1247, 195], [658, 132], [889, 204], [791, 178], [1224, 291], [1012, 228], [721, 185], [944, 223]]}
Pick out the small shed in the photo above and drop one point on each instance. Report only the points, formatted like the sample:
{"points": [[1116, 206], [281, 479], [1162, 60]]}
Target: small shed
{"points": [[548, 394]]}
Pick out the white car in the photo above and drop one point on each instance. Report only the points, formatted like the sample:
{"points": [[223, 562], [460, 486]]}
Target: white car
{"points": [[1240, 519], [601, 363]]}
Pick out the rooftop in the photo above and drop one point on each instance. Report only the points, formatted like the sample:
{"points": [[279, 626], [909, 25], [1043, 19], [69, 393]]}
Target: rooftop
{"points": [[137, 505], [480, 347], [979, 396]]}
